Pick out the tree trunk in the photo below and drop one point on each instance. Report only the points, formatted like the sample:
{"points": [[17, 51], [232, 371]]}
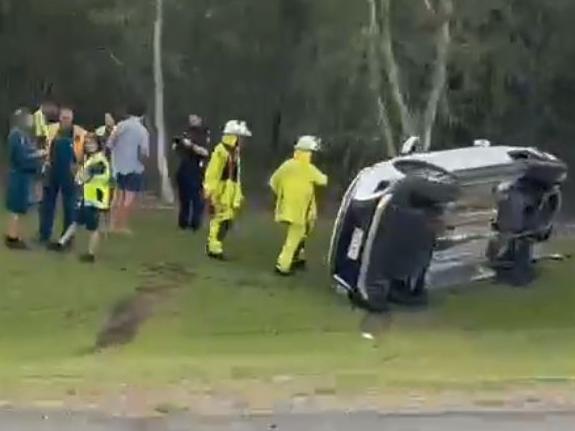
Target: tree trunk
{"points": [[375, 70], [167, 192], [439, 77], [392, 69]]}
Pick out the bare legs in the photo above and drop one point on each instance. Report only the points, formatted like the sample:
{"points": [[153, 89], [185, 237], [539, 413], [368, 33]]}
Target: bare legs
{"points": [[13, 238], [115, 214], [129, 202], [94, 242], [122, 209], [14, 230], [92, 245]]}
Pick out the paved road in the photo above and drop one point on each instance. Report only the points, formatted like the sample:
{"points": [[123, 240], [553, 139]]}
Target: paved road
{"points": [[17, 421]]}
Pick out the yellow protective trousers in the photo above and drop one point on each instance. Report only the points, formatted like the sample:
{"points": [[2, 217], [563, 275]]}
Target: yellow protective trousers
{"points": [[294, 247], [220, 224]]}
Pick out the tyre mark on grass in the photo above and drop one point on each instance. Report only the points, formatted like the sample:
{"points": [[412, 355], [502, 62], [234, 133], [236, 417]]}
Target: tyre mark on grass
{"points": [[159, 281]]}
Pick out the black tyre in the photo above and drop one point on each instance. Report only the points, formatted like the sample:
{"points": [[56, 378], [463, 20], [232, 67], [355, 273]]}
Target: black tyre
{"points": [[411, 292], [431, 191], [420, 193], [548, 173], [378, 297], [427, 182]]}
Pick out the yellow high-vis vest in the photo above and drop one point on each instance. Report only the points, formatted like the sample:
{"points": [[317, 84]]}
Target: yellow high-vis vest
{"points": [[97, 187], [40, 124]]}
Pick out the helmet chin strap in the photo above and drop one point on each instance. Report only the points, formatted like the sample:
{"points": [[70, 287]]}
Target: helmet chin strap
{"points": [[302, 156], [230, 140]]}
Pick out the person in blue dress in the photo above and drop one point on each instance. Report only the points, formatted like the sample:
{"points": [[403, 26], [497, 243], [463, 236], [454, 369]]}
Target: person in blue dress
{"points": [[25, 163]]}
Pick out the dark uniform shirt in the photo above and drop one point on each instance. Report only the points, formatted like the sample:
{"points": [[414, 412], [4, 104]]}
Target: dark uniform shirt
{"points": [[62, 157], [191, 163]]}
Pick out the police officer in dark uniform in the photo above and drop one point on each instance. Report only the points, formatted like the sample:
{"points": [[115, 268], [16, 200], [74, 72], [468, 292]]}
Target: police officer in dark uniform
{"points": [[192, 151]]}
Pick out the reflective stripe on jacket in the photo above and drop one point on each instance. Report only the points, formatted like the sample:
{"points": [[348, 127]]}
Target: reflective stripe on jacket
{"points": [[97, 176], [223, 175]]}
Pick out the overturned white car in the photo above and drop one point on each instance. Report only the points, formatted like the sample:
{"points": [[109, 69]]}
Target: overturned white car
{"points": [[442, 218]]}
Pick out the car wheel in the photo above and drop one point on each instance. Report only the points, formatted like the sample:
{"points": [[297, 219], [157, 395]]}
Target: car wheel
{"points": [[409, 292], [378, 297]]}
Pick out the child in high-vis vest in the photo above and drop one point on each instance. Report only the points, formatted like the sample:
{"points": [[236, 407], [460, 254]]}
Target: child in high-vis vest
{"points": [[94, 178]]}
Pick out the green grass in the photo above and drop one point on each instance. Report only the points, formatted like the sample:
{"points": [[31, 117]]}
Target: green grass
{"points": [[235, 326]]}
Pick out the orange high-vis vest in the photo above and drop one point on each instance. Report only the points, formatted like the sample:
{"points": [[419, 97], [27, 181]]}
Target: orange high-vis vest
{"points": [[79, 139]]}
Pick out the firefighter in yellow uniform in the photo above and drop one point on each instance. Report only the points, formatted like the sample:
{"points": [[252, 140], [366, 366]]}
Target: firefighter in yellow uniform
{"points": [[294, 185], [222, 185]]}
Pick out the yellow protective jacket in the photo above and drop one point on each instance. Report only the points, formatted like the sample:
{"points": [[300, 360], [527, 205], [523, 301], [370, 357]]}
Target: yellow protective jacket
{"points": [[79, 139], [222, 184], [294, 186]]}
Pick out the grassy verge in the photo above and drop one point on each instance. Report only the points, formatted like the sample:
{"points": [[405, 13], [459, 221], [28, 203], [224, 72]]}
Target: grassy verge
{"points": [[236, 327]]}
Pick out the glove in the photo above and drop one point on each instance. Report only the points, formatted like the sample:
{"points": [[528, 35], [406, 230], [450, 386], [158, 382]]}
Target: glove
{"points": [[238, 201]]}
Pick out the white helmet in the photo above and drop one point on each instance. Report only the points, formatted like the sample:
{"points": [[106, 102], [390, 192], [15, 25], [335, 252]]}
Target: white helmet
{"points": [[308, 143], [237, 128]]}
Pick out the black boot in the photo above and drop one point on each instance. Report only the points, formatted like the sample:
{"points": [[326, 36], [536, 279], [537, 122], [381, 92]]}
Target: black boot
{"points": [[88, 258], [215, 256], [15, 244], [282, 273], [56, 246], [300, 265]]}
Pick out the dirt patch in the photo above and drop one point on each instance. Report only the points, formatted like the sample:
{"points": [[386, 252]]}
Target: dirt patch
{"points": [[158, 283]]}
